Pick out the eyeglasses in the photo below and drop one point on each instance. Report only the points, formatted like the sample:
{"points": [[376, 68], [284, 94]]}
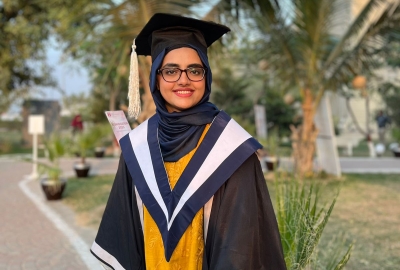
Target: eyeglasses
{"points": [[194, 74]]}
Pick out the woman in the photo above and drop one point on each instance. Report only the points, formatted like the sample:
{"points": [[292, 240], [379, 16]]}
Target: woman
{"points": [[189, 192]]}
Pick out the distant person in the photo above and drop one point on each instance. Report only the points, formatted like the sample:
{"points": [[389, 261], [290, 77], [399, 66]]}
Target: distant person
{"points": [[382, 121], [77, 124]]}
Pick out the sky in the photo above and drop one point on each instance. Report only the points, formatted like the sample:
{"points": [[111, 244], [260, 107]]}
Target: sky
{"points": [[69, 74]]}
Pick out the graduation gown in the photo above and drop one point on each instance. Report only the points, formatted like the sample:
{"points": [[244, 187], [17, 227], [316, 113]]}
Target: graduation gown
{"points": [[242, 230]]}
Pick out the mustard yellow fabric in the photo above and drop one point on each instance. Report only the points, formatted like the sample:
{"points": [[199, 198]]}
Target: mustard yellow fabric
{"points": [[188, 255]]}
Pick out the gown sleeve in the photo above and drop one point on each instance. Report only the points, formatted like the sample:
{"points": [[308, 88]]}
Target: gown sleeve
{"points": [[243, 231], [119, 241]]}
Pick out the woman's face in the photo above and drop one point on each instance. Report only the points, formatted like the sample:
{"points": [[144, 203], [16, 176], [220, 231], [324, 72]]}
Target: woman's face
{"points": [[184, 93]]}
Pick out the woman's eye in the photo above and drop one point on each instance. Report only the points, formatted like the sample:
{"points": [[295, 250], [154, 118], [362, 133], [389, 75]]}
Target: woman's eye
{"points": [[194, 71], [169, 71]]}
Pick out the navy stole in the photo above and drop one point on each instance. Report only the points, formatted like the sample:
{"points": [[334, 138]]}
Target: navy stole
{"points": [[224, 148]]}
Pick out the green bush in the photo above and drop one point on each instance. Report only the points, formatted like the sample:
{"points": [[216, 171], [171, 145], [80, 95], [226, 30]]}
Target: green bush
{"points": [[396, 134], [55, 147], [390, 94], [11, 125], [301, 222]]}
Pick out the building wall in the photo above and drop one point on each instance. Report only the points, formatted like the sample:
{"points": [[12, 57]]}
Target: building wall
{"points": [[358, 104], [51, 111]]}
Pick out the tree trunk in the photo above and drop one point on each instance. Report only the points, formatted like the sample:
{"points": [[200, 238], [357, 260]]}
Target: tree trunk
{"points": [[371, 147], [304, 138], [353, 117]]}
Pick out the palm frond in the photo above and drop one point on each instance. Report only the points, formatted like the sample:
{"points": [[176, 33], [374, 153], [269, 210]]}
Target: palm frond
{"points": [[358, 24], [280, 42], [367, 54], [312, 23]]}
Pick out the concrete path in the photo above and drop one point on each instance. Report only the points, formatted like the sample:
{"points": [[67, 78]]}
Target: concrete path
{"points": [[370, 165], [36, 233], [356, 164]]}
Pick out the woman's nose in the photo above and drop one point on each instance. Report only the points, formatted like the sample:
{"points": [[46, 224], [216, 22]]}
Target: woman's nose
{"points": [[183, 80]]}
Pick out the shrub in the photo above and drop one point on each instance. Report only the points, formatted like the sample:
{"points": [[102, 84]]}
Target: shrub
{"points": [[301, 222]]}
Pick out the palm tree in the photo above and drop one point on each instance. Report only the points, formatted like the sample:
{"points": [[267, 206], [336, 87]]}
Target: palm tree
{"points": [[300, 49]]}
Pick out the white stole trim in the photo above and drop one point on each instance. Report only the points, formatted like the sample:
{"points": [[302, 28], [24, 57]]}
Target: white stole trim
{"points": [[140, 147], [206, 217], [140, 207], [231, 138], [105, 256]]}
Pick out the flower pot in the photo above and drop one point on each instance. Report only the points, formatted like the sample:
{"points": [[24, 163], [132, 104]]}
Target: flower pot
{"points": [[99, 152], [53, 189], [271, 162], [82, 169]]}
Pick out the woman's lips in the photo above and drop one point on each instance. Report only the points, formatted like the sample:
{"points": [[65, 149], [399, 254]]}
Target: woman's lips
{"points": [[183, 92]]}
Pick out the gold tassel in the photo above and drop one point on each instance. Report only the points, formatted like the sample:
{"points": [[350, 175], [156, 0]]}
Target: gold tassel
{"points": [[133, 90]]}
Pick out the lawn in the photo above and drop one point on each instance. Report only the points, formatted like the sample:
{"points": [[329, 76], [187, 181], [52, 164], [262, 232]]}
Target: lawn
{"points": [[367, 213], [362, 150], [10, 142], [88, 198]]}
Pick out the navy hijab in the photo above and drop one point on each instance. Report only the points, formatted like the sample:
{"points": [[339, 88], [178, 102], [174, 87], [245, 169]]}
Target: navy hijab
{"points": [[179, 132]]}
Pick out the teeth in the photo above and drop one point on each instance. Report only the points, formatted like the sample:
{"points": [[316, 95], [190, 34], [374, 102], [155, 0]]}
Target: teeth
{"points": [[184, 92]]}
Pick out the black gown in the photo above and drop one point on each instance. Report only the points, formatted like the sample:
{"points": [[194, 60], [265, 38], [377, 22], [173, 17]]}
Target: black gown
{"points": [[242, 230]]}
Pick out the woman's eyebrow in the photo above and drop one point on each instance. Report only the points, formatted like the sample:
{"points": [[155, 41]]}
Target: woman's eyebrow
{"points": [[195, 65], [173, 65]]}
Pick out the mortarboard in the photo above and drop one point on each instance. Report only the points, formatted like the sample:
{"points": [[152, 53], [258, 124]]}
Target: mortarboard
{"points": [[168, 32]]}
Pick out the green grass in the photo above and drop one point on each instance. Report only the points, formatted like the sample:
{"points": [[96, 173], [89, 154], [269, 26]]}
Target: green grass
{"points": [[11, 143], [362, 150], [88, 198], [367, 213]]}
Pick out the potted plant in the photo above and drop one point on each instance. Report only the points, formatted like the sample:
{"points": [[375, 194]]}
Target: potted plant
{"points": [[271, 145], [100, 131], [99, 151], [51, 180], [83, 143], [396, 137]]}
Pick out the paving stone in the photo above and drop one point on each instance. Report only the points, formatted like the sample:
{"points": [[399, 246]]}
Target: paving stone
{"points": [[29, 240]]}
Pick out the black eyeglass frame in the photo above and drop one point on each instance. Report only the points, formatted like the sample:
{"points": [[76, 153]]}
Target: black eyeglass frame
{"points": [[159, 71]]}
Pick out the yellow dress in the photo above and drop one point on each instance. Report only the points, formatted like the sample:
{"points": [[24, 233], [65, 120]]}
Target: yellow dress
{"points": [[188, 255]]}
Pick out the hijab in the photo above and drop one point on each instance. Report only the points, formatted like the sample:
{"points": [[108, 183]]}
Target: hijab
{"points": [[179, 132]]}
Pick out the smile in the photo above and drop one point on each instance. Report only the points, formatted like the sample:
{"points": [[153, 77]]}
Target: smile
{"points": [[184, 92]]}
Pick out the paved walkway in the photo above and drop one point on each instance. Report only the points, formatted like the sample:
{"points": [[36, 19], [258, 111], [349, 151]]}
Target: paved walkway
{"points": [[38, 234], [370, 165], [357, 164]]}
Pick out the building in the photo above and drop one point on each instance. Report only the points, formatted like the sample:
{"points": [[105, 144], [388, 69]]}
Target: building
{"points": [[49, 108], [340, 112]]}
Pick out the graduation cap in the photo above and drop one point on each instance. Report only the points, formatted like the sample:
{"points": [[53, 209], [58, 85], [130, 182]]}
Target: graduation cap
{"points": [[168, 32]]}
